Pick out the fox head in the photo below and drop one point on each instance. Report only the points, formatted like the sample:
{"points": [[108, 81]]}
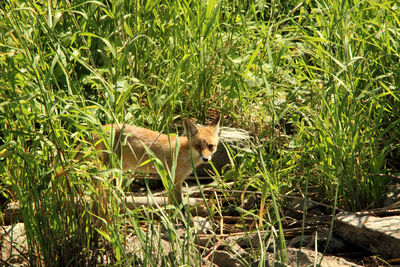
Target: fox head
{"points": [[202, 139]]}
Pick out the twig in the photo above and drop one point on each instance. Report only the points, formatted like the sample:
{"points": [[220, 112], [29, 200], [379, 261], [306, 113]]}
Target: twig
{"points": [[381, 212], [280, 195], [296, 8], [395, 177], [216, 246]]}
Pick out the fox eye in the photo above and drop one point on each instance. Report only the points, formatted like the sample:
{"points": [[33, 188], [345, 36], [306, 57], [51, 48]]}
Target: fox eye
{"points": [[198, 146], [210, 146]]}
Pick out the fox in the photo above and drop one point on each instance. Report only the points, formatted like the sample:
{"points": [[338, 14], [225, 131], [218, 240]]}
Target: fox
{"points": [[197, 145]]}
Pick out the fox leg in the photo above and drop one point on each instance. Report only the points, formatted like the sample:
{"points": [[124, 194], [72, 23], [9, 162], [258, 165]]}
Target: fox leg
{"points": [[176, 192]]}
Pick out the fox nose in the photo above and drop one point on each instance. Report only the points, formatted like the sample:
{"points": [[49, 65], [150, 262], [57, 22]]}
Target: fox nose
{"points": [[205, 159]]}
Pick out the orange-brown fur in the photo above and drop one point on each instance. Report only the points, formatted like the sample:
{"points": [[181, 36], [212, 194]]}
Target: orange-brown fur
{"points": [[199, 143]]}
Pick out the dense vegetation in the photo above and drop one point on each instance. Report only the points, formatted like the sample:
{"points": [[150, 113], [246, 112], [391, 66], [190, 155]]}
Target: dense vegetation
{"points": [[315, 82]]}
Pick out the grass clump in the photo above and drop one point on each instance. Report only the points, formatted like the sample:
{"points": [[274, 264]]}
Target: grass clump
{"points": [[315, 82]]}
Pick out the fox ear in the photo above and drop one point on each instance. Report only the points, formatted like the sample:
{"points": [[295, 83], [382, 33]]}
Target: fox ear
{"points": [[190, 127], [216, 121]]}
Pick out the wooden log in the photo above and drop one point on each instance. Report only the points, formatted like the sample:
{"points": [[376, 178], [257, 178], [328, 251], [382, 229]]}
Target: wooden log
{"points": [[378, 235], [12, 213], [132, 202]]}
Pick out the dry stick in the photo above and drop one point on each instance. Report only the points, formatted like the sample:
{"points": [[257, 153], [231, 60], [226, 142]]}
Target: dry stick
{"points": [[227, 218], [385, 175], [296, 8], [390, 210], [310, 222], [395, 260], [247, 234], [280, 195], [216, 246], [380, 211]]}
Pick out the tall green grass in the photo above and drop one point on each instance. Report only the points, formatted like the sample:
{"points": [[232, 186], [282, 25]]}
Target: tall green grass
{"points": [[316, 82]]}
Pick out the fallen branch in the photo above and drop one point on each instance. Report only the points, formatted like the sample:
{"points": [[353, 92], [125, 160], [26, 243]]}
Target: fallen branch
{"points": [[395, 177]]}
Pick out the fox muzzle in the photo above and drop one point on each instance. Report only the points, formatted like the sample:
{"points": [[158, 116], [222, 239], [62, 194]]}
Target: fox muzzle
{"points": [[206, 159]]}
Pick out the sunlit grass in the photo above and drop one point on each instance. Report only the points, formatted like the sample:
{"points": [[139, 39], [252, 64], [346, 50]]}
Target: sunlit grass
{"points": [[316, 83]]}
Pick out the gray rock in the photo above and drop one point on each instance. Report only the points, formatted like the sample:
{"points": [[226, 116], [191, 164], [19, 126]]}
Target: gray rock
{"points": [[235, 139], [393, 195], [203, 225], [225, 259], [321, 236], [305, 257], [14, 247]]}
